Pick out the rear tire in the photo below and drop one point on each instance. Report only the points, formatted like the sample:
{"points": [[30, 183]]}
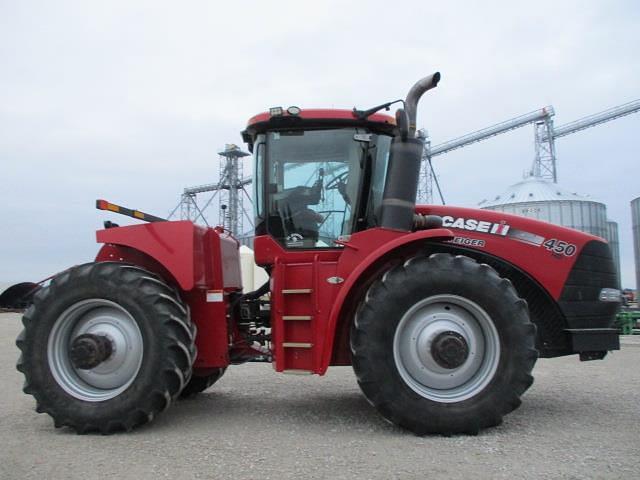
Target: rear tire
{"points": [[150, 354], [442, 344], [199, 384]]}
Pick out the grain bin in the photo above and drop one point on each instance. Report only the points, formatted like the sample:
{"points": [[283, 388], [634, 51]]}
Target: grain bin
{"points": [[614, 243], [544, 200]]}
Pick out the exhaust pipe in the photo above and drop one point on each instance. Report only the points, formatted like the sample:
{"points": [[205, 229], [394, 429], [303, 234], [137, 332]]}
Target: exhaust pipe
{"points": [[401, 186], [413, 97]]}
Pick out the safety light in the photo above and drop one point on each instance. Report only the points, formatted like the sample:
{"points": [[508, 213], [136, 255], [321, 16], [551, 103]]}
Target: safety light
{"points": [[610, 295], [276, 111], [293, 111]]}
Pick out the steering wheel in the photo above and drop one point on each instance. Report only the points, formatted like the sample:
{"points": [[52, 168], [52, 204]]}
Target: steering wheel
{"points": [[336, 181]]}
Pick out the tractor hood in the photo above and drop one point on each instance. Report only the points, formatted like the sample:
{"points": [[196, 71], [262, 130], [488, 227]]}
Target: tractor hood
{"points": [[522, 241]]}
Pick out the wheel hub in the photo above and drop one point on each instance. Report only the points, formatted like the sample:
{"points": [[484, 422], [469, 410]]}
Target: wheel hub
{"points": [[450, 350], [95, 350], [88, 351], [446, 348]]}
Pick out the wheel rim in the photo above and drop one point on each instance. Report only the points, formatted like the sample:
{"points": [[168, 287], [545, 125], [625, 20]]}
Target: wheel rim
{"points": [[446, 348], [112, 376]]}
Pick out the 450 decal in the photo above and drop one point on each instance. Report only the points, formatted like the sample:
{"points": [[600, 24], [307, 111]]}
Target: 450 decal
{"points": [[560, 247]]}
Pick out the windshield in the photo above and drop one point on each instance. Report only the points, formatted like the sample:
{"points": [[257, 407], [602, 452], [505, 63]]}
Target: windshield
{"points": [[313, 180]]}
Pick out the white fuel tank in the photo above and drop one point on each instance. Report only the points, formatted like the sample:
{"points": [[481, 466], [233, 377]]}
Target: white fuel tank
{"points": [[253, 276]]}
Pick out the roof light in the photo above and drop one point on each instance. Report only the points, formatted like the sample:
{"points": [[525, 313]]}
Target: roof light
{"points": [[276, 111], [293, 110]]}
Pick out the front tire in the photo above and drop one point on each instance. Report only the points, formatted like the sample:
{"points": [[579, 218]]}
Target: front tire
{"points": [[105, 347], [442, 344]]}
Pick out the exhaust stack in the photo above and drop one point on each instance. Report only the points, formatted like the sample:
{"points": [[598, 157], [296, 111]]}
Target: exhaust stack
{"points": [[401, 186]]}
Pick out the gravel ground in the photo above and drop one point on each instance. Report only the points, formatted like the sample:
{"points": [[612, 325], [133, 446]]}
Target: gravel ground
{"points": [[579, 420]]}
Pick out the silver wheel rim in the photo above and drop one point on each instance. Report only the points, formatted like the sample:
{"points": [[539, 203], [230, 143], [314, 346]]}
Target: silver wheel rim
{"points": [[414, 336], [114, 375]]}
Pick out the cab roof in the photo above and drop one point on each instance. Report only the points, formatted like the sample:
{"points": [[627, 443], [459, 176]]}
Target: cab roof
{"points": [[324, 114], [315, 118]]}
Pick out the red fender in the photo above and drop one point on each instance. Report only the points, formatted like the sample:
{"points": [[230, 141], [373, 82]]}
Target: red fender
{"points": [[198, 260], [358, 257], [194, 256]]}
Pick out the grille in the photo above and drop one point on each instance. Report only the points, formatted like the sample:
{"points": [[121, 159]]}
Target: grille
{"points": [[594, 270]]}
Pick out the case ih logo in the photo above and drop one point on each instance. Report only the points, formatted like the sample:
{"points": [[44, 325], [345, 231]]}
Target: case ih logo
{"points": [[475, 225]]}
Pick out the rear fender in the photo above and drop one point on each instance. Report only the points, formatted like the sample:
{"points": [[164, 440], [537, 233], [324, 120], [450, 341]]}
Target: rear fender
{"points": [[191, 255], [121, 253], [202, 262]]}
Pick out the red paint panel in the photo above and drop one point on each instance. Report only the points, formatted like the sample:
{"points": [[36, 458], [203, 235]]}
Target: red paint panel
{"points": [[267, 250], [212, 337], [325, 295], [549, 269], [195, 256], [326, 114], [299, 359], [120, 253], [170, 243]]}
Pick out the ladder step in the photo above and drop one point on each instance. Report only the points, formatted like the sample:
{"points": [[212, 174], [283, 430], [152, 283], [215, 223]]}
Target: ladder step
{"points": [[297, 372], [296, 317], [297, 290], [297, 345]]}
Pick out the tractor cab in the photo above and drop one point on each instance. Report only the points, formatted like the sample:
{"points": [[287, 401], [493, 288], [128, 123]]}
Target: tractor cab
{"points": [[319, 174]]}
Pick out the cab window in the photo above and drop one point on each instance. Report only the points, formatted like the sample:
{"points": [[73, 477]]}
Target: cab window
{"points": [[313, 181]]}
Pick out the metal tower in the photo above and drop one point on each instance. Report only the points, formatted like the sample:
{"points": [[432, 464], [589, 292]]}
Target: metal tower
{"points": [[228, 194], [231, 186], [427, 177], [543, 115], [425, 182], [544, 164]]}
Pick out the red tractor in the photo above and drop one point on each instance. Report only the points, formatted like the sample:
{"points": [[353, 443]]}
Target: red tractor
{"points": [[442, 311]]}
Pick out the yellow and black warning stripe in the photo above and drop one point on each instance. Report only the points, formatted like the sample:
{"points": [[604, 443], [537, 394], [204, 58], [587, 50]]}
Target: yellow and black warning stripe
{"points": [[112, 207]]}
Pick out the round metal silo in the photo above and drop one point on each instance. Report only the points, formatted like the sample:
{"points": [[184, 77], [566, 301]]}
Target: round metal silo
{"points": [[635, 223], [544, 200], [614, 243]]}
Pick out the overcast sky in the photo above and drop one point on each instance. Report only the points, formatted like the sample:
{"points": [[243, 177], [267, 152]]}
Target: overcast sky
{"points": [[131, 100]]}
